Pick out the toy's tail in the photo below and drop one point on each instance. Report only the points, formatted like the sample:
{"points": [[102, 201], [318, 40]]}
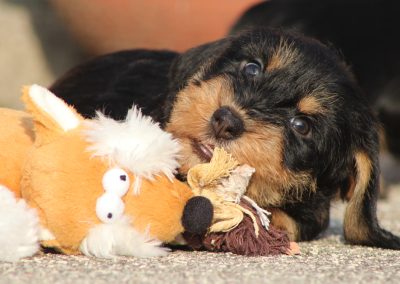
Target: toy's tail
{"points": [[19, 227]]}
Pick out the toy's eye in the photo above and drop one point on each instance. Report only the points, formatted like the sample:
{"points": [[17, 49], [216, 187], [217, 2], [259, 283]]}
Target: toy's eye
{"points": [[301, 125], [109, 208], [252, 68], [116, 181]]}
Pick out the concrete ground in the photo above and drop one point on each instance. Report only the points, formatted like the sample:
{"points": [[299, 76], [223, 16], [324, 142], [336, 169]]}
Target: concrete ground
{"points": [[326, 260]]}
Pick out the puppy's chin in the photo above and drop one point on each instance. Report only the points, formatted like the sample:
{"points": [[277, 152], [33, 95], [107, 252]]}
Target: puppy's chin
{"points": [[270, 185]]}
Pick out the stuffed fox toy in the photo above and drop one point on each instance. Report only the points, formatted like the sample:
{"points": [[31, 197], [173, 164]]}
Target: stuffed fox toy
{"points": [[99, 187]]}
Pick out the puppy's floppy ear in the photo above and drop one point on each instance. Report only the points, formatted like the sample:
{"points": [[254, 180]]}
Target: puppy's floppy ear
{"points": [[191, 66], [361, 223], [194, 61]]}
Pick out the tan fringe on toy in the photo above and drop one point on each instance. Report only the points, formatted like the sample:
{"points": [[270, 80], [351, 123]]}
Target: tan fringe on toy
{"points": [[204, 180], [207, 176]]}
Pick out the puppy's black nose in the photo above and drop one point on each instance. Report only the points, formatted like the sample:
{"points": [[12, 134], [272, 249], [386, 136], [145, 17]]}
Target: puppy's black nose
{"points": [[226, 124]]}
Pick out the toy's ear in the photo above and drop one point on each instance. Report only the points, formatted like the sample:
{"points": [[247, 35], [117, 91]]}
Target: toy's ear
{"points": [[51, 115]]}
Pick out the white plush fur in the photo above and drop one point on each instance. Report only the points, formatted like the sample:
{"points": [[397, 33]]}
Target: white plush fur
{"points": [[54, 106], [120, 239], [45, 234], [137, 144], [19, 227]]}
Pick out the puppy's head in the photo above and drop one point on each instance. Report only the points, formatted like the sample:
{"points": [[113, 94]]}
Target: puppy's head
{"points": [[275, 101], [287, 106]]}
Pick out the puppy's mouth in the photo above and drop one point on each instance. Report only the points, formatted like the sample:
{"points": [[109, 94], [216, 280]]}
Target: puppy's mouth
{"points": [[203, 150]]}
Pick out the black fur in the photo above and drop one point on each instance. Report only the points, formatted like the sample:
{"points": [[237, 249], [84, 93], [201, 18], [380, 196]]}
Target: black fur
{"points": [[347, 127], [365, 32], [111, 83]]}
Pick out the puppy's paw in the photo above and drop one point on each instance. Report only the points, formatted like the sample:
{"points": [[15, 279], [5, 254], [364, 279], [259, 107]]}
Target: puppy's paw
{"points": [[293, 249]]}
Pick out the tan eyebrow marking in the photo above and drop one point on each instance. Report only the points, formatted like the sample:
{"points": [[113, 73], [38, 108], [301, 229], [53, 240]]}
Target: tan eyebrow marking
{"points": [[310, 105], [283, 55], [319, 101]]}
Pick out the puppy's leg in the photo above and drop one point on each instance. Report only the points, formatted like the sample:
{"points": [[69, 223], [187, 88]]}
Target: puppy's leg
{"points": [[284, 222], [360, 222], [303, 223]]}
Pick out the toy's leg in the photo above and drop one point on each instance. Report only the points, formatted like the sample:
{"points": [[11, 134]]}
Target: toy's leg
{"points": [[120, 238], [19, 227]]}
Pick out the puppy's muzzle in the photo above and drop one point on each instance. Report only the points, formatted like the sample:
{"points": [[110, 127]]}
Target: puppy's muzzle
{"points": [[226, 124]]}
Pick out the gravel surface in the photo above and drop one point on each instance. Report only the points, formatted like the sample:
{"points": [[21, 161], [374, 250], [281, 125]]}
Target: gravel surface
{"points": [[326, 260]]}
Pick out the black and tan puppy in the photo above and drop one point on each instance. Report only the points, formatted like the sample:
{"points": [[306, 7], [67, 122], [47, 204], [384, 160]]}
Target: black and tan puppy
{"points": [[365, 32], [284, 104]]}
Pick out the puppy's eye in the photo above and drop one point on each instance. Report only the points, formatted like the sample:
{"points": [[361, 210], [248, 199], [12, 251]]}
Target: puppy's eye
{"points": [[301, 125], [252, 68]]}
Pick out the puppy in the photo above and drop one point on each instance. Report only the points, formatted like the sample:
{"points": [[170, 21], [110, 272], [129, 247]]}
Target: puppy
{"points": [[364, 32], [282, 103]]}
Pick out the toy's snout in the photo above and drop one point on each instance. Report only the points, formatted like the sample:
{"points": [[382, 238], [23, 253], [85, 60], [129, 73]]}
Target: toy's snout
{"points": [[197, 215]]}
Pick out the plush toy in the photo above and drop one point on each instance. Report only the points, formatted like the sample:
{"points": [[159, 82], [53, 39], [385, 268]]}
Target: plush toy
{"points": [[99, 187], [239, 225]]}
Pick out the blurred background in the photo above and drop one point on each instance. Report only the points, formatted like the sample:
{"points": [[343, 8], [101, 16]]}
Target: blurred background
{"points": [[41, 39]]}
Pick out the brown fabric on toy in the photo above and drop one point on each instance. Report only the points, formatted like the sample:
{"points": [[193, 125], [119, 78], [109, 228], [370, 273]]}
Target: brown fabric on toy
{"points": [[239, 225], [243, 240]]}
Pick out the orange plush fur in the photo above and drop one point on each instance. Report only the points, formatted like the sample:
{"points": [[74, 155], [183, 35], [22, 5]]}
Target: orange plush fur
{"points": [[16, 139], [55, 173]]}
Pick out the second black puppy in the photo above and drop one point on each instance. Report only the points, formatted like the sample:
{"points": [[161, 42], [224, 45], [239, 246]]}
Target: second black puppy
{"points": [[284, 104]]}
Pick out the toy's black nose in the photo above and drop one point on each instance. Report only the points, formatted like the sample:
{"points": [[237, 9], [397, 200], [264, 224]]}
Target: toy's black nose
{"points": [[226, 123], [197, 215]]}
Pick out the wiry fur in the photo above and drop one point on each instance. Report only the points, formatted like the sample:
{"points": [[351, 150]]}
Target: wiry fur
{"points": [[298, 175], [260, 146], [137, 144], [120, 239], [363, 32], [19, 228]]}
